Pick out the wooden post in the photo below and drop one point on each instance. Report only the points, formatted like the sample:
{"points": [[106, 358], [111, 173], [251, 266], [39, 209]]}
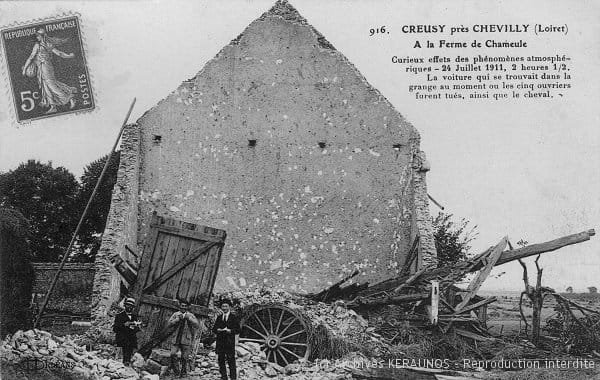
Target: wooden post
{"points": [[85, 211], [435, 202], [435, 301]]}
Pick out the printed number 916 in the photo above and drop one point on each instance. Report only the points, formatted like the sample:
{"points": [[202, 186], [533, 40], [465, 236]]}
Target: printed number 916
{"points": [[380, 30]]}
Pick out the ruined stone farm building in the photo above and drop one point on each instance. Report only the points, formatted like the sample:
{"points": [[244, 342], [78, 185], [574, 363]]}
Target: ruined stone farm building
{"points": [[280, 141]]}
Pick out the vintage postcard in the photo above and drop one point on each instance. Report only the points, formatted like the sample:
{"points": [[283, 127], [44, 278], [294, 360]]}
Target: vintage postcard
{"points": [[300, 189], [47, 69]]}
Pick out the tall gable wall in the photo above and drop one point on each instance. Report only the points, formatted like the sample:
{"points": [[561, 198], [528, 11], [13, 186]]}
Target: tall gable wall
{"points": [[280, 141]]}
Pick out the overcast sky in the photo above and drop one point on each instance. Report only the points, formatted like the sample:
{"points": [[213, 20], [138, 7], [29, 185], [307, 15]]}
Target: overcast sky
{"points": [[527, 169]]}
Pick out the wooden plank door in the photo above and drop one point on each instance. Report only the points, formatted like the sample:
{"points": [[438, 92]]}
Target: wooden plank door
{"points": [[180, 261]]}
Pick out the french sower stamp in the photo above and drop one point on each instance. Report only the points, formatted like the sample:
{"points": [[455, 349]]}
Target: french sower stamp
{"points": [[47, 69]]}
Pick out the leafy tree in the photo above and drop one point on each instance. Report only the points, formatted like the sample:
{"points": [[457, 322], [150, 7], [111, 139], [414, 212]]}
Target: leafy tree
{"points": [[16, 272], [569, 289], [46, 197], [452, 239], [93, 226]]}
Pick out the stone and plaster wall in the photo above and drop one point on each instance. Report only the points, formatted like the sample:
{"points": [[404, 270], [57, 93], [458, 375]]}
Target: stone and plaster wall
{"points": [[280, 141], [121, 225], [73, 291], [421, 221]]}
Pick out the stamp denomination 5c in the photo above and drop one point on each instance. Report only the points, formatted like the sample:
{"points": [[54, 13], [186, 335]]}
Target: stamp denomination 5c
{"points": [[47, 69]]}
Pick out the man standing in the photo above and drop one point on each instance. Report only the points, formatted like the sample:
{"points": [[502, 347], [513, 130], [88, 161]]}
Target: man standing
{"points": [[125, 327], [185, 325], [226, 327]]}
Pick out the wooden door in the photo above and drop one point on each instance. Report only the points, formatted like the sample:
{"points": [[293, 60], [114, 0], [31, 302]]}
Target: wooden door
{"points": [[180, 261]]}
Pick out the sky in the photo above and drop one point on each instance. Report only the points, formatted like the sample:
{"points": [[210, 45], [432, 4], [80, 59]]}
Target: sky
{"points": [[526, 169]]}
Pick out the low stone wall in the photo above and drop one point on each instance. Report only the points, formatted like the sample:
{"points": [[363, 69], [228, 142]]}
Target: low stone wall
{"points": [[73, 291]]}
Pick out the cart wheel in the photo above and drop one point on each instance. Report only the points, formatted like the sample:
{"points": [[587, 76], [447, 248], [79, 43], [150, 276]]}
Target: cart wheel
{"points": [[281, 332]]}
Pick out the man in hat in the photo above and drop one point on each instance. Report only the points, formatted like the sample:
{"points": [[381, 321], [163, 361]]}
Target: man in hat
{"points": [[125, 327], [185, 326], [226, 327]]}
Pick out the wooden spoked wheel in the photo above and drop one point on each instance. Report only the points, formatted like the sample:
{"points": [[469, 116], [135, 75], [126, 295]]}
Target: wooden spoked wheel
{"points": [[281, 332]]}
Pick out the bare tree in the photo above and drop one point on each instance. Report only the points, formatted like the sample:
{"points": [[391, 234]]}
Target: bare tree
{"points": [[536, 296]]}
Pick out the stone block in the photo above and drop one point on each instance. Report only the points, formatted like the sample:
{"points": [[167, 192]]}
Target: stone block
{"points": [[152, 367], [161, 356]]}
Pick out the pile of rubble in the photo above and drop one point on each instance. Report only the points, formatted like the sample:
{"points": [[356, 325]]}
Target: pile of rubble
{"points": [[252, 364], [45, 351], [341, 322]]}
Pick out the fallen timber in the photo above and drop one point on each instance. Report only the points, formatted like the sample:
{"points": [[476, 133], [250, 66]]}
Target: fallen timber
{"points": [[451, 274], [418, 300]]}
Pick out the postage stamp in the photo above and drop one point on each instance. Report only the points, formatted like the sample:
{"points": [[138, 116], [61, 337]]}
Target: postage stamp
{"points": [[47, 70]]}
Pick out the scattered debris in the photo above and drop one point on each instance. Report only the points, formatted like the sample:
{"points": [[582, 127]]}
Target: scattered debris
{"points": [[63, 353]]}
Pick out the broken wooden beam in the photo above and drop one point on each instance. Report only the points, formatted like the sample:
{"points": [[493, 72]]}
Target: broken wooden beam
{"points": [[454, 272], [411, 256], [476, 305], [435, 302], [390, 300], [474, 336], [411, 279], [125, 270], [489, 262], [333, 290], [454, 318], [536, 249]]}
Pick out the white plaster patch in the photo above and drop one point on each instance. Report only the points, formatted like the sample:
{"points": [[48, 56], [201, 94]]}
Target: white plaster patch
{"points": [[316, 199], [231, 282], [275, 264], [307, 190], [375, 220], [320, 172], [328, 230], [189, 193], [279, 62], [174, 209], [374, 153]]}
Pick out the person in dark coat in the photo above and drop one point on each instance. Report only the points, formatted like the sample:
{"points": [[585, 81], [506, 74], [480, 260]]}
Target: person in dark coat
{"points": [[226, 327], [126, 327]]}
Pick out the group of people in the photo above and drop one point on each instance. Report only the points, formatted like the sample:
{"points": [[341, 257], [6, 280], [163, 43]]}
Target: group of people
{"points": [[184, 325]]}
